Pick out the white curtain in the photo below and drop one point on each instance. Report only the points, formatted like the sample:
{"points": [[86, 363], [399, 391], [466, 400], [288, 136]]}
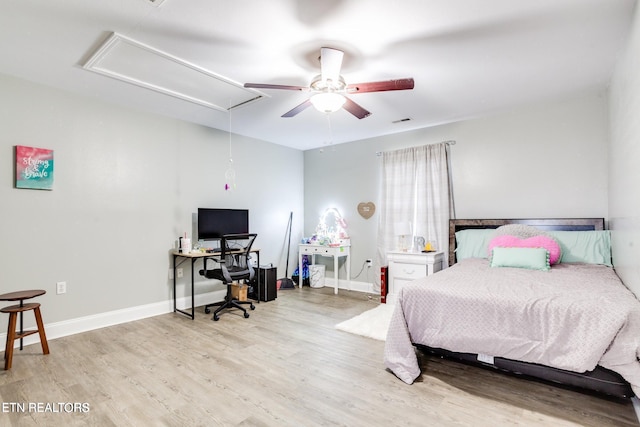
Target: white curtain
{"points": [[416, 190]]}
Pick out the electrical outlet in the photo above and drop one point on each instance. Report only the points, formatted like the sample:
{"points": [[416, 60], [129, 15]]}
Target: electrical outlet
{"points": [[180, 272], [61, 288]]}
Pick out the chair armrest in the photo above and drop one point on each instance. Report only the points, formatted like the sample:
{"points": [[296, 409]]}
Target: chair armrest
{"points": [[212, 258], [222, 266]]}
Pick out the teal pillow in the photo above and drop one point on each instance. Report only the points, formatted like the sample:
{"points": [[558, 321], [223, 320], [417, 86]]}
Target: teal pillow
{"points": [[531, 258], [591, 247], [473, 243]]}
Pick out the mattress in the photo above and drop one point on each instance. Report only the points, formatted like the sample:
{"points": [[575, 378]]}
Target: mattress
{"points": [[573, 317]]}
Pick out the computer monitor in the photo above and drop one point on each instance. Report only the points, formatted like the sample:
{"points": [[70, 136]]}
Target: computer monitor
{"points": [[214, 223]]}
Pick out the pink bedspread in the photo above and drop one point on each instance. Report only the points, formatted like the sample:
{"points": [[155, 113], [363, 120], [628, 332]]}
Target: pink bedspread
{"points": [[573, 317]]}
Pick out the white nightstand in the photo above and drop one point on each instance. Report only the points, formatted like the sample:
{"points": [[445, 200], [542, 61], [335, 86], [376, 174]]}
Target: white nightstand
{"points": [[405, 267]]}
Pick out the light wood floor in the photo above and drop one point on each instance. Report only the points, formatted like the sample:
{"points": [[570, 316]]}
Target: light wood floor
{"points": [[284, 366]]}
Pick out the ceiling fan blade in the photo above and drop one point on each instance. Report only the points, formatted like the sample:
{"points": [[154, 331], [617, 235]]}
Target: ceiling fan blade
{"points": [[330, 63], [297, 109], [399, 84], [355, 109], [270, 86]]}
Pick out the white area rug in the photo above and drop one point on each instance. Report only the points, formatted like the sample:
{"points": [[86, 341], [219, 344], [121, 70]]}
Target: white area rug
{"points": [[372, 323]]}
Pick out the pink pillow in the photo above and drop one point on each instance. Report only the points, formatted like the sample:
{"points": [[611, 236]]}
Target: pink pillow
{"points": [[548, 243]]}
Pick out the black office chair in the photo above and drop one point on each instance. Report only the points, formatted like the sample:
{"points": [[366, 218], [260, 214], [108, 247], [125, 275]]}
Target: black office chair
{"points": [[234, 266]]}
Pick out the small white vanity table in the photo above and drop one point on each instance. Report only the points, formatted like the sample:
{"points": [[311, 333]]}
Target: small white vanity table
{"points": [[335, 251]]}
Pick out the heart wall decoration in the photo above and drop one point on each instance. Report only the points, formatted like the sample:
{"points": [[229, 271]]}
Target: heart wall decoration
{"points": [[366, 210]]}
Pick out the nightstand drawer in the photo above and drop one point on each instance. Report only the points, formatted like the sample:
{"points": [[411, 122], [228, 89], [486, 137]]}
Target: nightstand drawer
{"points": [[399, 283], [408, 271]]}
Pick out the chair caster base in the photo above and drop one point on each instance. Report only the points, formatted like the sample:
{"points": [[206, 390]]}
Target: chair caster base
{"points": [[246, 315]]}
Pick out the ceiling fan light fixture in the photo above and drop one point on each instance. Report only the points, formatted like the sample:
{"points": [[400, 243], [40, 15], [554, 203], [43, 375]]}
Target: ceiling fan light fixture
{"points": [[328, 102], [328, 87]]}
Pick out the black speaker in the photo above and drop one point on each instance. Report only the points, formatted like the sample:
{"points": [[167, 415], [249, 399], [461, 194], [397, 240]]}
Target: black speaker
{"points": [[268, 278]]}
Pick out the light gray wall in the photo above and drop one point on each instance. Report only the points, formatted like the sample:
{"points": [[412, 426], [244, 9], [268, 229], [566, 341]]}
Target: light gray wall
{"points": [[539, 161], [126, 186], [624, 161]]}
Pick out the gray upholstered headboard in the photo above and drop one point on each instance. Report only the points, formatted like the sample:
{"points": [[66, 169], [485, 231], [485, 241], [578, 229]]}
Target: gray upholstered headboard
{"points": [[568, 224]]}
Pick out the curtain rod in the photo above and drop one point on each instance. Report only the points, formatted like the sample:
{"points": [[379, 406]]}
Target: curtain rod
{"points": [[449, 142]]}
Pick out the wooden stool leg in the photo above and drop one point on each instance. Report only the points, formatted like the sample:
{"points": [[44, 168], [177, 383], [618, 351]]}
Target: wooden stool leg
{"points": [[11, 337], [6, 345], [43, 336]]}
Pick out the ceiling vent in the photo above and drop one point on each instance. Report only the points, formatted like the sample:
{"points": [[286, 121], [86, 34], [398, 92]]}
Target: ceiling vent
{"points": [[133, 62]]}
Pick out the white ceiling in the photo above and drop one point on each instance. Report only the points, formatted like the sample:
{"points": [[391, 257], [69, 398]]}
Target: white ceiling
{"points": [[469, 58]]}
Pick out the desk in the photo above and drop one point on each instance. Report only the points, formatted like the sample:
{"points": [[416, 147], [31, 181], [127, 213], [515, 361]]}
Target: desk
{"points": [[21, 296], [194, 256], [330, 251]]}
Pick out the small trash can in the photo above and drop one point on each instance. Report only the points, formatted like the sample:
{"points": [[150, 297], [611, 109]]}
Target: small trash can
{"points": [[316, 275]]}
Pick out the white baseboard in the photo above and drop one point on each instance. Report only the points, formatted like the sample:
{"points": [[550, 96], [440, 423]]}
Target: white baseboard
{"points": [[101, 320], [110, 318], [350, 285]]}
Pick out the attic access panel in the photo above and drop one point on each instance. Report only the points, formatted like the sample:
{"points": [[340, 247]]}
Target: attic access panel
{"points": [[128, 60]]}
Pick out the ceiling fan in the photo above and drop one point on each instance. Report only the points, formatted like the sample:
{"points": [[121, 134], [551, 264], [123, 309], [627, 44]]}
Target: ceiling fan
{"points": [[329, 88]]}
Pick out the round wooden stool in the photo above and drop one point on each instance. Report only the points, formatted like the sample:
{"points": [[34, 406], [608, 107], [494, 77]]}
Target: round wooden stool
{"points": [[13, 311]]}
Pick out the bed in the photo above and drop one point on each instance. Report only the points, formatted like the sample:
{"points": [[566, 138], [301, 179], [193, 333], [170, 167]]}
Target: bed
{"points": [[569, 321]]}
